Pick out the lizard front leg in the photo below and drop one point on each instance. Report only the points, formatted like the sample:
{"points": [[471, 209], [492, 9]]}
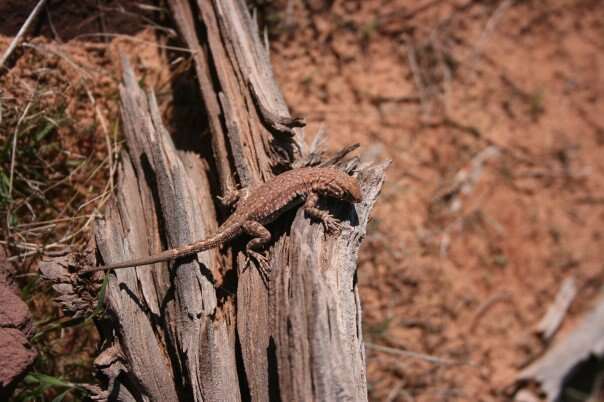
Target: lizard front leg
{"points": [[261, 236], [329, 222]]}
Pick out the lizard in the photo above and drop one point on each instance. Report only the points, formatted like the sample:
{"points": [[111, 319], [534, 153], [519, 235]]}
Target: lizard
{"points": [[263, 205]]}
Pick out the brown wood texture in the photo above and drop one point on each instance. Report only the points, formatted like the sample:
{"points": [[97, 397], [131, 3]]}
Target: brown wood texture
{"points": [[171, 333]]}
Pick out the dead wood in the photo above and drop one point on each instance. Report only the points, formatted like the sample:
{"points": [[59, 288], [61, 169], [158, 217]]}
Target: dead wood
{"points": [[552, 320], [205, 328], [555, 367]]}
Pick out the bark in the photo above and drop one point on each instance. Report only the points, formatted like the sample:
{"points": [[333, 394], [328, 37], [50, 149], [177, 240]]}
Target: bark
{"points": [[205, 328]]}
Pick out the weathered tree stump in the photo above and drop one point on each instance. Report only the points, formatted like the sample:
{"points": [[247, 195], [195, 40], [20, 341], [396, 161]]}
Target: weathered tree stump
{"points": [[203, 327]]}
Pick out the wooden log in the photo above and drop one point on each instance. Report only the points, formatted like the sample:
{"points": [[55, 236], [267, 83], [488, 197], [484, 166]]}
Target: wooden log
{"points": [[204, 328]]}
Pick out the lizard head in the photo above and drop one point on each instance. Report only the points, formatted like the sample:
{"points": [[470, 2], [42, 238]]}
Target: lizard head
{"points": [[344, 187]]}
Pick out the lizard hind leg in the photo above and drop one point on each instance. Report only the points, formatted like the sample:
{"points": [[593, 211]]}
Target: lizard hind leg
{"points": [[233, 197], [330, 223], [261, 236]]}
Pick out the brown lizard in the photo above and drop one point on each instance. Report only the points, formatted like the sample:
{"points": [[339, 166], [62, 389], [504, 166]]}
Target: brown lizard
{"points": [[263, 205]]}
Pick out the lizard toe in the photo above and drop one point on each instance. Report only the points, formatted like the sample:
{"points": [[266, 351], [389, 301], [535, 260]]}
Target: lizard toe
{"points": [[332, 226], [262, 264]]}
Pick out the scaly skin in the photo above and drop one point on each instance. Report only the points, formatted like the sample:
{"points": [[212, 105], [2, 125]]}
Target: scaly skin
{"points": [[263, 205]]}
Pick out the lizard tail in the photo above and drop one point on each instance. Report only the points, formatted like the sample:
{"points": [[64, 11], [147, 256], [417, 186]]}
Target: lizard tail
{"points": [[191, 248]]}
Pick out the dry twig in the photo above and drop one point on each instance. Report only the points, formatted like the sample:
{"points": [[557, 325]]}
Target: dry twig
{"points": [[408, 353], [550, 323], [21, 32]]}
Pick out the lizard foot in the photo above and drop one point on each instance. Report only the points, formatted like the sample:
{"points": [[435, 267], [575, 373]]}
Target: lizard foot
{"points": [[331, 225], [230, 198], [262, 264], [233, 196]]}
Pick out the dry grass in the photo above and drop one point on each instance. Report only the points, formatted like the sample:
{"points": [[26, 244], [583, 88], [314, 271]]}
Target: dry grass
{"points": [[57, 158]]}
